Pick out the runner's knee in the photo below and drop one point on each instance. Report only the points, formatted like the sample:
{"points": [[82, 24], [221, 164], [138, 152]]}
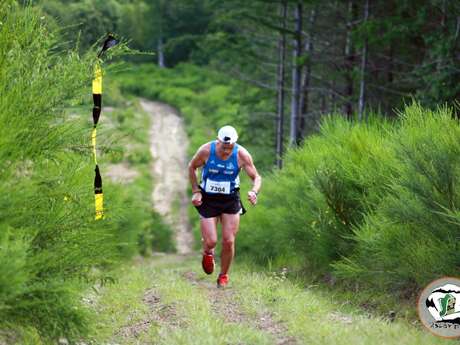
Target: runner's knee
{"points": [[210, 243], [228, 242]]}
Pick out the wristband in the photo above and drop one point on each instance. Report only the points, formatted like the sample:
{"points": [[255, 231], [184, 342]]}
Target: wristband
{"points": [[255, 192]]}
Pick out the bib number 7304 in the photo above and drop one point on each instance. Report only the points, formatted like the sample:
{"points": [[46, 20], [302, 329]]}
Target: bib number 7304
{"points": [[222, 187]]}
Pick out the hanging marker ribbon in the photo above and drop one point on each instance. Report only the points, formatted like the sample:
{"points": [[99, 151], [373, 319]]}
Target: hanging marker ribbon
{"points": [[98, 196], [109, 42], [96, 114], [93, 142], [97, 99], [97, 81]]}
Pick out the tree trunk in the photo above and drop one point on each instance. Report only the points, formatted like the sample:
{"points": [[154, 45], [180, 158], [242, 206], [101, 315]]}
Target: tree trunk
{"points": [[457, 30], [332, 96], [445, 31], [323, 104], [363, 68], [297, 52], [349, 60], [280, 89], [306, 76], [161, 57]]}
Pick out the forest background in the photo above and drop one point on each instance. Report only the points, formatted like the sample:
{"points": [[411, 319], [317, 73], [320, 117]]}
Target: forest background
{"points": [[349, 108]]}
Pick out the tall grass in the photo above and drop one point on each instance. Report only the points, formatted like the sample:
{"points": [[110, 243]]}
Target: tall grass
{"points": [[50, 244], [413, 235], [375, 204]]}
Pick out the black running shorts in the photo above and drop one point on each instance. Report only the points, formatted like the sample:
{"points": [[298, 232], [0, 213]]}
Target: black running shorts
{"points": [[213, 205]]}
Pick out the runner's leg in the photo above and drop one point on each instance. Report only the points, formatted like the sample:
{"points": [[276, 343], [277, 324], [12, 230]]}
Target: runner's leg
{"points": [[209, 234], [230, 225]]}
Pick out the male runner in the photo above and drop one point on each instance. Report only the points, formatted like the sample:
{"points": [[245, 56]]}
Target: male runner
{"points": [[217, 196]]}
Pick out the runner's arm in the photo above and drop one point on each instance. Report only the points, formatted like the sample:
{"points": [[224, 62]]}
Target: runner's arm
{"points": [[198, 160], [249, 167]]}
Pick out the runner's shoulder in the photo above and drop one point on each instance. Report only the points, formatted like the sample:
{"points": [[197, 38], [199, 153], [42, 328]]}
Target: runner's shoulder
{"points": [[242, 149], [204, 151], [244, 155]]}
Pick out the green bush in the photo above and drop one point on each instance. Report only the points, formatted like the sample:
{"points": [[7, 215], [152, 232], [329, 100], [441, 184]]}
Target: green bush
{"points": [[50, 243], [324, 190], [371, 203], [412, 237]]}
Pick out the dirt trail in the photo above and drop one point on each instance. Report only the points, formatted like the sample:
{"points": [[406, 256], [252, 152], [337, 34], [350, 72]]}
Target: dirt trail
{"points": [[224, 304], [168, 146]]}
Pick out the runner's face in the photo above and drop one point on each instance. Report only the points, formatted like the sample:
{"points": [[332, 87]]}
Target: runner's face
{"points": [[226, 149]]}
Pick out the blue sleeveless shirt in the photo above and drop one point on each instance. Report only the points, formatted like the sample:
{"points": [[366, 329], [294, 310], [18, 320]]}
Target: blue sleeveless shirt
{"points": [[220, 176]]}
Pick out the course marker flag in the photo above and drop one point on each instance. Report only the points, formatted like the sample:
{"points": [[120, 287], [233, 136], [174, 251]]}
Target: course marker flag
{"points": [[109, 42]]}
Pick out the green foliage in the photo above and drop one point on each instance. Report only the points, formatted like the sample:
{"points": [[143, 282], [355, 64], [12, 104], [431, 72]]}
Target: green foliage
{"points": [[206, 100], [412, 47], [323, 192], [128, 144], [412, 237], [179, 24], [84, 21], [375, 204], [51, 248]]}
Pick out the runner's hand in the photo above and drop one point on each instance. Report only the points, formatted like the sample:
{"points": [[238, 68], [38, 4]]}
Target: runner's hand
{"points": [[196, 199], [252, 197]]}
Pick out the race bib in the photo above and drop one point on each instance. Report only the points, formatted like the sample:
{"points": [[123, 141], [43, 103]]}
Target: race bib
{"points": [[222, 187]]}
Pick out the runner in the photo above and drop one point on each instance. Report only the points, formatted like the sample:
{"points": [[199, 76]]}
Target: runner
{"points": [[217, 196]]}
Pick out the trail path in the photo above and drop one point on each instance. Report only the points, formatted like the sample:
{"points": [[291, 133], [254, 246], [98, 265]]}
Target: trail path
{"points": [[168, 299], [168, 146]]}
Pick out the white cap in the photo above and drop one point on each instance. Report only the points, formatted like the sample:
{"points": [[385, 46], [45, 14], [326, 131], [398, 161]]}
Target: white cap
{"points": [[227, 135]]}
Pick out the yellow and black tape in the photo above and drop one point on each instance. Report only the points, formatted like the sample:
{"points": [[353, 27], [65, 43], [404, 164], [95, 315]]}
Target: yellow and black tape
{"points": [[109, 42]]}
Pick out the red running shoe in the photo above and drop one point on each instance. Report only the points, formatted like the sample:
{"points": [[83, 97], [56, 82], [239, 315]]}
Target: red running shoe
{"points": [[222, 280], [208, 263]]}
